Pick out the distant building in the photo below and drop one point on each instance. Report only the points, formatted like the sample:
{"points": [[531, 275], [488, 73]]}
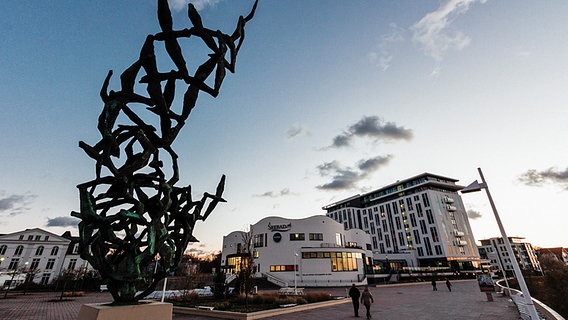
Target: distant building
{"points": [[559, 253], [420, 221], [315, 251], [494, 249], [37, 254]]}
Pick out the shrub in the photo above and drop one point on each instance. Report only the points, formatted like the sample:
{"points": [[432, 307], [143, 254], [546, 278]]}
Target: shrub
{"points": [[312, 297]]}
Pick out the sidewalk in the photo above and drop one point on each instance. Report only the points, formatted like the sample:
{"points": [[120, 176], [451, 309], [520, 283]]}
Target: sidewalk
{"points": [[393, 302]]}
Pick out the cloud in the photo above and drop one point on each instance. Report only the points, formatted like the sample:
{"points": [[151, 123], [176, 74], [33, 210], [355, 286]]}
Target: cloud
{"points": [[15, 204], [372, 127], [199, 249], [431, 32], [552, 175], [179, 5], [383, 56], [272, 194], [296, 130], [345, 178], [62, 222], [473, 214]]}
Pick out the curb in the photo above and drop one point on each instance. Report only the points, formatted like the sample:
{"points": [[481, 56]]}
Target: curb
{"points": [[258, 314]]}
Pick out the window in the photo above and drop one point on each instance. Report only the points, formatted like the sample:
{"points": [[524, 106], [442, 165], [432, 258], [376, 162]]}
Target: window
{"points": [[35, 263], [54, 251], [423, 227], [425, 200], [30, 237], [420, 251], [258, 240], [19, 250], [76, 248], [412, 220], [316, 236], [21, 237], [428, 246], [3, 249], [14, 264], [344, 261], [416, 236], [72, 264], [39, 251], [37, 238], [438, 249], [46, 238], [297, 236], [50, 264], [434, 234], [397, 221], [430, 216], [44, 279], [280, 268]]}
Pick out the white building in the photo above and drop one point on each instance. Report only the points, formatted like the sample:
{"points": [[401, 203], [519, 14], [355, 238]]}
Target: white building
{"points": [[37, 254], [416, 223], [315, 251], [494, 248]]}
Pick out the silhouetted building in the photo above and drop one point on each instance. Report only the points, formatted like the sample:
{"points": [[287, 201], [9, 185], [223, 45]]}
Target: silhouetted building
{"points": [[559, 253]]}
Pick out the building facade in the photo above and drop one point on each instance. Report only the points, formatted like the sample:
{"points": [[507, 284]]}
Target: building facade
{"points": [[558, 253], [36, 255], [315, 251], [494, 249], [421, 221]]}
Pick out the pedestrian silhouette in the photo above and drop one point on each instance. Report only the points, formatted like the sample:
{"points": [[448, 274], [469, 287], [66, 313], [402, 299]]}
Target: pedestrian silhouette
{"points": [[355, 294], [449, 285], [366, 300]]}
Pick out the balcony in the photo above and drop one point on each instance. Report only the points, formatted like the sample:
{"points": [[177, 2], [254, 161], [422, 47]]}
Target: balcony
{"points": [[461, 243], [448, 200], [451, 208], [459, 233]]}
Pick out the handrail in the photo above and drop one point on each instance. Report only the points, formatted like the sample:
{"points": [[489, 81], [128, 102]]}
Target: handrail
{"points": [[274, 279], [543, 309]]}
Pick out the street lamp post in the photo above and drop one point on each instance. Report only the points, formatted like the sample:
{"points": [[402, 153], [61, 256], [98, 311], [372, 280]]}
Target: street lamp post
{"points": [[295, 271], [476, 186]]}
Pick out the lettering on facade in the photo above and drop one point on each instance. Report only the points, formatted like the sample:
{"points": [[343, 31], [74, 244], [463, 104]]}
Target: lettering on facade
{"points": [[279, 227]]}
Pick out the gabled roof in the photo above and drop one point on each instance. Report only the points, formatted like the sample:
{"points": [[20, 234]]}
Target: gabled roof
{"points": [[52, 237]]}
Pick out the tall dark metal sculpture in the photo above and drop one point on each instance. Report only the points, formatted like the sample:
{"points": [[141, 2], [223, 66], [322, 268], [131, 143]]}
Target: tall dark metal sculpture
{"points": [[133, 212]]}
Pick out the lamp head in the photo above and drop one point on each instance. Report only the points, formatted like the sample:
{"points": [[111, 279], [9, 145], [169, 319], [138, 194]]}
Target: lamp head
{"points": [[473, 187]]}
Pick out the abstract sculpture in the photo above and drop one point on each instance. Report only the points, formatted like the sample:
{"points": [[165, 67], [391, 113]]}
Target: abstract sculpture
{"points": [[132, 212]]}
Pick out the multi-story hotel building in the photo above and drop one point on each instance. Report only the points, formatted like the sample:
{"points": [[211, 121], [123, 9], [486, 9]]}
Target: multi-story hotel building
{"points": [[416, 222], [494, 248]]}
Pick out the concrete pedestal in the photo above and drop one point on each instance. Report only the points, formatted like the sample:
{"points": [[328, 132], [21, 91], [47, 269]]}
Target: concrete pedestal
{"points": [[146, 310]]}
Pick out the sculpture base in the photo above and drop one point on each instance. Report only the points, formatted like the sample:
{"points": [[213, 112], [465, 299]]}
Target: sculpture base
{"points": [[146, 310]]}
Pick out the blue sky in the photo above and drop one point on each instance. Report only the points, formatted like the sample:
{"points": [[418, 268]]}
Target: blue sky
{"points": [[329, 99]]}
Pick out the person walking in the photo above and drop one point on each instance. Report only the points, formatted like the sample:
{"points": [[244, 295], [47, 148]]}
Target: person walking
{"points": [[354, 293], [434, 285], [449, 285], [366, 300]]}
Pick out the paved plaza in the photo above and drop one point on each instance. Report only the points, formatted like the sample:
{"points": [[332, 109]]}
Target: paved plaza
{"points": [[392, 302]]}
